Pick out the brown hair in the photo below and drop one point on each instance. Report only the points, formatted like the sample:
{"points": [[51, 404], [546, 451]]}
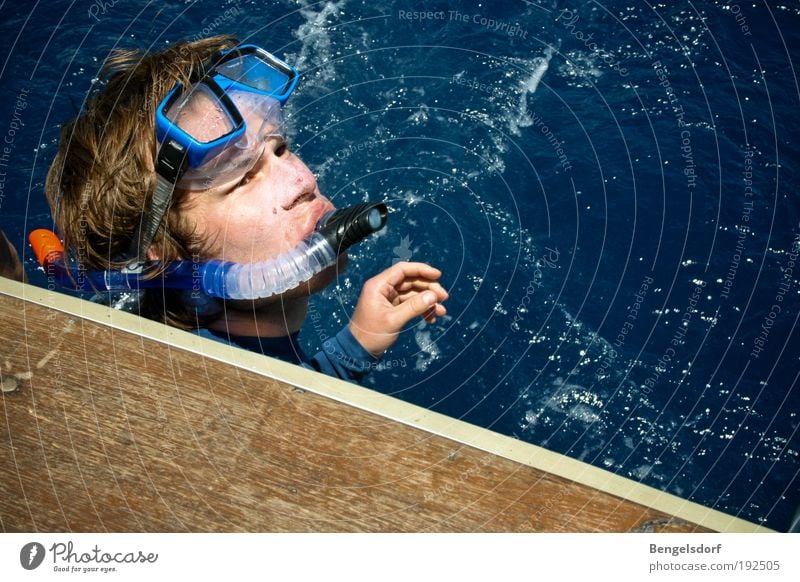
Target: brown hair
{"points": [[103, 175]]}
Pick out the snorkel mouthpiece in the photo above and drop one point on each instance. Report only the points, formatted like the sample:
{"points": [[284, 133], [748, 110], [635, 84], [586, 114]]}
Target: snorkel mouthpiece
{"points": [[336, 232], [345, 227]]}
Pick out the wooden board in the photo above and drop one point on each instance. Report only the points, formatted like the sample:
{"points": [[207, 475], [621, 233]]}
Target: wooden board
{"points": [[152, 429]]}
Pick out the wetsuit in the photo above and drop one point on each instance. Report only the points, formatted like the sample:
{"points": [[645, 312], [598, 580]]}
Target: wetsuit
{"points": [[341, 356]]}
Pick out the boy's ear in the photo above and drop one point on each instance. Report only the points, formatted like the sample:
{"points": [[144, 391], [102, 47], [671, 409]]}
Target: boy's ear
{"points": [[153, 255]]}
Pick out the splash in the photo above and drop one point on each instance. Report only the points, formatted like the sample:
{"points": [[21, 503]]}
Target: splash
{"points": [[316, 53], [428, 350], [536, 68]]}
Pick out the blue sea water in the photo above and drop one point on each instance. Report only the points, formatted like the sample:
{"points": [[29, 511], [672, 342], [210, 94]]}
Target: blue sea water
{"points": [[610, 189]]}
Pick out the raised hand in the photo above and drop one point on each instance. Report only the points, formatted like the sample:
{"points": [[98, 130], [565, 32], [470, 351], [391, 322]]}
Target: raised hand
{"points": [[393, 298]]}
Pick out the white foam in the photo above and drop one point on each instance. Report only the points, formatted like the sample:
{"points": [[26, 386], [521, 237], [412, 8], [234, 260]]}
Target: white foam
{"points": [[541, 66], [527, 88], [314, 35], [428, 350]]}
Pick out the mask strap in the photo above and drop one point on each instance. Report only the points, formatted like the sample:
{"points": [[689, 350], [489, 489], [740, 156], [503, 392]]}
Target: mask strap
{"points": [[171, 164]]}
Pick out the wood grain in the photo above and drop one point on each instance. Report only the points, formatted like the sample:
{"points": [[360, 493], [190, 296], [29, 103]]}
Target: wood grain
{"points": [[103, 430]]}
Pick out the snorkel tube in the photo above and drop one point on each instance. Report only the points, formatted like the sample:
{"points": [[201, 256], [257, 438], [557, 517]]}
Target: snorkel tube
{"points": [[335, 233]]}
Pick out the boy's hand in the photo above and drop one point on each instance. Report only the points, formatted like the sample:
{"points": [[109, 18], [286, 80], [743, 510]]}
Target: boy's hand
{"points": [[393, 298]]}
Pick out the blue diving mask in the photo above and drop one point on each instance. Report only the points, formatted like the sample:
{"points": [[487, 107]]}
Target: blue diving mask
{"points": [[213, 132]]}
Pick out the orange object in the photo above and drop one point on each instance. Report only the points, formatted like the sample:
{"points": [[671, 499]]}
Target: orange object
{"points": [[45, 243]]}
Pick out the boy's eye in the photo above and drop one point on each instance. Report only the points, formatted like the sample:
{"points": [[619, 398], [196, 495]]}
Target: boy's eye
{"points": [[280, 149]]}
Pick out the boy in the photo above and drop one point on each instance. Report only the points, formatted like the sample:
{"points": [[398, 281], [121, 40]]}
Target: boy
{"points": [[118, 199]]}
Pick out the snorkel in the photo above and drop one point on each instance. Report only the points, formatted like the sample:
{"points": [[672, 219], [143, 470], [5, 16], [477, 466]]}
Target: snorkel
{"points": [[335, 233]]}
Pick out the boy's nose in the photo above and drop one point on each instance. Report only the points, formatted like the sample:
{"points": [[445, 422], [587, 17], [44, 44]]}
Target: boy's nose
{"points": [[300, 173], [300, 180]]}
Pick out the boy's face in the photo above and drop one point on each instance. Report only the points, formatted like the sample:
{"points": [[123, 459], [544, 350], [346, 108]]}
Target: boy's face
{"points": [[275, 206], [257, 216]]}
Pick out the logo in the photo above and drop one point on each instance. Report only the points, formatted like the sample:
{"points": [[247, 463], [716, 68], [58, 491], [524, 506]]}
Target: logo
{"points": [[31, 555]]}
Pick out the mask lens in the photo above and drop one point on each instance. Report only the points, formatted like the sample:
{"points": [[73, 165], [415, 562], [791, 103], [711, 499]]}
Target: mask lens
{"points": [[263, 119], [201, 115], [262, 115], [253, 71]]}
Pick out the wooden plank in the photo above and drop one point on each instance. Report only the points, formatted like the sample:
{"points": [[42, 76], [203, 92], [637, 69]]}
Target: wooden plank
{"points": [[103, 429]]}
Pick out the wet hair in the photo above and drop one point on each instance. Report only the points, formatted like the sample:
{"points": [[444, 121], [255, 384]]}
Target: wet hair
{"points": [[103, 176]]}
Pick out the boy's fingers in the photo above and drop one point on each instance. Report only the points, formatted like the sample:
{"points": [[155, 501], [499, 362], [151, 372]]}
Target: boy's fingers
{"points": [[417, 305], [397, 273], [441, 294], [421, 285]]}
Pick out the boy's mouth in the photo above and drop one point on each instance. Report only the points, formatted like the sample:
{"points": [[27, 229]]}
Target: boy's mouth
{"points": [[304, 197]]}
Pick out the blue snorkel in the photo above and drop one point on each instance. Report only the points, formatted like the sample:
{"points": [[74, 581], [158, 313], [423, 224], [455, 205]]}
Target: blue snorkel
{"points": [[335, 233]]}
